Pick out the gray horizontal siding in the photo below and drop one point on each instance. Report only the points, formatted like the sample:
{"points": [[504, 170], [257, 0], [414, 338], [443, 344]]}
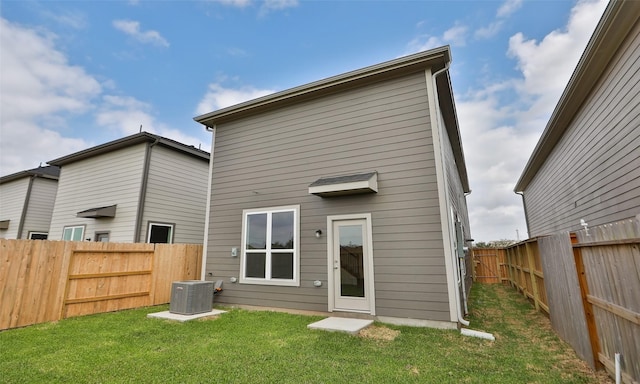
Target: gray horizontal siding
{"points": [[176, 193], [103, 180], [270, 160], [592, 173], [40, 208], [12, 199]]}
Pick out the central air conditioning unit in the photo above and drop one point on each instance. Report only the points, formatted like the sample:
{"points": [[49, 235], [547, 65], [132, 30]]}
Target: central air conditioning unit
{"points": [[191, 297]]}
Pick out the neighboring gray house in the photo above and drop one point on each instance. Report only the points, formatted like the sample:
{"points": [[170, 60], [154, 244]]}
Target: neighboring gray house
{"points": [[586, 165], [26, 203], [141, 188], [344, 195]]}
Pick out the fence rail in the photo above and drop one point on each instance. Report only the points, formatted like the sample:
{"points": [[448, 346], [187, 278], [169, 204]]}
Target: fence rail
{"points": [[44, 281], [588, 283]]}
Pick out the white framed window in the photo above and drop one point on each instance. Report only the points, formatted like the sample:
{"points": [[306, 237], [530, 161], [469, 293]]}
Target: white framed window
{"points": [[73, 233], [270, 246], [160, 232], [38, 235]]}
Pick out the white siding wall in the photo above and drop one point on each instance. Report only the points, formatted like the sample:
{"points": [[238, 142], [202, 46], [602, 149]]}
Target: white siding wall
{"points": [[103, 180], [40, 208], [12, 198], [176, 193], [594, 171], [270, 160]]}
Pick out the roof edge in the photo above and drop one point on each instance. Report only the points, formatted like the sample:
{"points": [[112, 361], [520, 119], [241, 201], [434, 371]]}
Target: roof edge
{"points": [[318, 87], [46, 172], [613, 27], [138, 138]]}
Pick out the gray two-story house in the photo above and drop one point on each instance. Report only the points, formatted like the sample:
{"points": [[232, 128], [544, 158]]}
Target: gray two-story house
{"points": [[26, 203], [141, 188], [344, 195]]}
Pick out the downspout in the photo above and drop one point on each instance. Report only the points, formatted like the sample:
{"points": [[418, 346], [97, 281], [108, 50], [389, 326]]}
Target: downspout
{"points": [[207, 212], [526, 214], [23, 215], [446, 236], [143, 189]]}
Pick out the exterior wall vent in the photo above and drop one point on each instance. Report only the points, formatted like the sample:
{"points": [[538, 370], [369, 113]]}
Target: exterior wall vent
{"points": [[191, 297]]}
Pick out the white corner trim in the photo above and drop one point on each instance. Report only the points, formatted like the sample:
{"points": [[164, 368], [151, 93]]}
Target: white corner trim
{"points": [[434, 114]]}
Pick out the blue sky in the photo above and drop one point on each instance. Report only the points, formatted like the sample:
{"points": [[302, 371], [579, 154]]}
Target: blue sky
{"points": [[74, 74]]}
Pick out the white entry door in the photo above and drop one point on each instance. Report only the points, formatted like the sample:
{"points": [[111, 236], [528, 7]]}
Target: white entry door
{"points": [[350, 258]]}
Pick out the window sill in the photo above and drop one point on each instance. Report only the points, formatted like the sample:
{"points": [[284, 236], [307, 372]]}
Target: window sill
{"points": [[284, 283]]}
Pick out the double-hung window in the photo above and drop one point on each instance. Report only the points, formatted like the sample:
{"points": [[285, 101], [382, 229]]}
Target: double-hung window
{"points": [[73, 233], [270, 246]]}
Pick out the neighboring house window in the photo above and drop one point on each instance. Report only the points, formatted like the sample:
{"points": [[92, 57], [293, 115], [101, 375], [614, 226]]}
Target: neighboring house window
{"points": [[38, 235], [102, 237], [160, 233], [270, 238], [73, 233]]}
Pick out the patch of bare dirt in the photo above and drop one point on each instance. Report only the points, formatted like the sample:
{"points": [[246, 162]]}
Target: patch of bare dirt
{"points": [[379, 333]]}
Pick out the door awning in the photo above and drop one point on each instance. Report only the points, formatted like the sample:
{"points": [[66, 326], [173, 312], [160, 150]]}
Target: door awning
{"points": [[96, 213], [345, 185]]}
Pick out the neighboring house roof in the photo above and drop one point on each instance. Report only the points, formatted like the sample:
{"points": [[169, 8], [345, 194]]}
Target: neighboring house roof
{"points": [[615, 24], [436, 59], [142, 137], [48, 172]]}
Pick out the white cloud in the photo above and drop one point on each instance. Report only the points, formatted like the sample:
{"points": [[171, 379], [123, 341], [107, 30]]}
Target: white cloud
{"points": [[506, 9], [125, 115], [236, 3], [501, 123], [39, 90], [218, 97], [132, 28], [71, 19], [509, 7], [455, 36], [489, 31], [280, 4]]}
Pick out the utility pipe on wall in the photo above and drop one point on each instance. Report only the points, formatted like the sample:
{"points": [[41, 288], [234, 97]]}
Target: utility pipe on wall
{"points": [[207, 213]]}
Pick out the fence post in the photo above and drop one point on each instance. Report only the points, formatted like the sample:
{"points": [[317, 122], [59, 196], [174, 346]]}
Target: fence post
{"points": [[523, 277], [498, 271], [532, 274], [588, 307]]}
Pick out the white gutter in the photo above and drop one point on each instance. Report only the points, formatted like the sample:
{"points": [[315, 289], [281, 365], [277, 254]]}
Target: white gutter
{"points": [[450, 266], [207, 213]]}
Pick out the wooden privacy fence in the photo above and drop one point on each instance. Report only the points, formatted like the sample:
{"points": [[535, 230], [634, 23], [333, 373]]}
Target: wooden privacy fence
{"points": [[44, 281], [489, 266], [589, 285], [608, 264]]}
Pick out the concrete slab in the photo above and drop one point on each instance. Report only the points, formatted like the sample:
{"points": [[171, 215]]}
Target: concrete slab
{"points": [[341, 324], [177, 317]]}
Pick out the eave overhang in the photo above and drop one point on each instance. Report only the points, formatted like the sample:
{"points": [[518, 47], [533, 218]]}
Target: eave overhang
{"points": [[98, 213], [345, 185], [435, 59]]}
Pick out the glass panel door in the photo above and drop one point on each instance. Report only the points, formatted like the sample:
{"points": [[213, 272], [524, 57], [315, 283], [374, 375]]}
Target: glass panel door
{"points": [[350, 265]]}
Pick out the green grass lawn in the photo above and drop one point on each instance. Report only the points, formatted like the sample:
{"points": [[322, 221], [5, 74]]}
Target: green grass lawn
{"points": [[269, 347]]}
